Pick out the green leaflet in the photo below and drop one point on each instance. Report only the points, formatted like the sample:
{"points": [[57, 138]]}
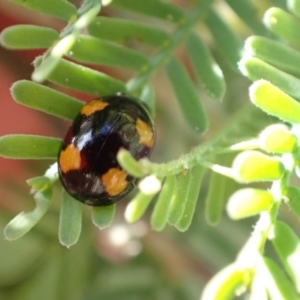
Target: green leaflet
{"points": [[177, 205], [271, 100], [48, 63], [84, 79], [161, 210], [124, 31], [137, 207], [294, 7], [23, 222], [293, 201], [273, 52], [147, 96], [20, 146], [102, 216], [128, 163], [277, 138], [224, 284], [283, 24], [28, 37], [192, 197], [45, 99], [227, 41], [278, 286], [287, 245], [38, 183], [209, 74], [91, 50], [248, 202], [187, 96], [214, 202], [69, 220], [255, 69], [61, 9], [162, 57], [248, 13], [154, 8], [87, 13], [254, 166]]}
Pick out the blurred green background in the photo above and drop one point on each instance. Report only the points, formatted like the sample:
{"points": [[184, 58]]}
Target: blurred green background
{"points": [[123, 261]]}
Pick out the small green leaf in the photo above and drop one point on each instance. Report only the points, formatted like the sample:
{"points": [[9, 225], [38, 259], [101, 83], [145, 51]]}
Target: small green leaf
{"points": [[46, 99], [187, 96], [293, 202], [220, 188], [294, 7], [277, 138], [160, 213], [214, 202], [38, 183], [84, 79], [150, 185], [147, 96], [87, 13], [69, 220], [61, 9], [192, 197], [102, 216], [28, 37], [153, 8], [178, 202], [248, 13], [256, 69], [124, 31], [224, 284], [271, 100], [227, 41], [248, 202], [128, 162], [287, 245], [137, 207], [49, 62], [91, 50], [283, 24], [277, 284], [209, 74], [273, 52], [23, 222], [19, 146], [253, 166]]}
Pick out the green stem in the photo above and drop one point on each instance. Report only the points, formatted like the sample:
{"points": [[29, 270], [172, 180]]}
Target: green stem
{"points": [[200, 154], [68, 37], [136, 84]]}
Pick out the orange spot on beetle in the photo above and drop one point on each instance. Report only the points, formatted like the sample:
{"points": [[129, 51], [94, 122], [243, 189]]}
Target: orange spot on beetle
{"points": [[69, 159], [145, 132], [93, 106], [114, 181]]}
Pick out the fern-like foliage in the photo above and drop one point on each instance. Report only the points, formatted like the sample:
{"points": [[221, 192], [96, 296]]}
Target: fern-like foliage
{"points": [[271, 156]]}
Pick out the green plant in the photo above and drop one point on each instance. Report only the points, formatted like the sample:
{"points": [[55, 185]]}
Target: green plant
{"points": [[262, 57]]}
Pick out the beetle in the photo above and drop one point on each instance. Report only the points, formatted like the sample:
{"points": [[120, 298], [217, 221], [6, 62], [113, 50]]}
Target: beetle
{"points": [[87, 161]]}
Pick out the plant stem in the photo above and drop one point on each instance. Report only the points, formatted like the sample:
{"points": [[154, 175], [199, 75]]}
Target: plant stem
{"points": [[136, 84]]}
